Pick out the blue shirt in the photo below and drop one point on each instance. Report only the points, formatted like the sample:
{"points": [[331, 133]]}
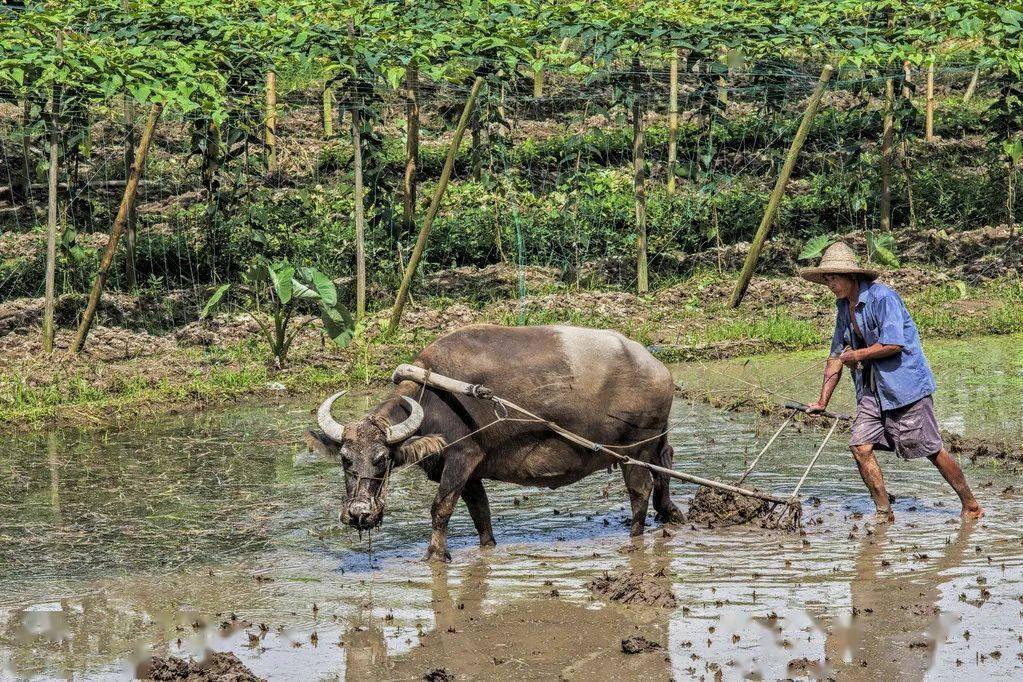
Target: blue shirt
{"points": [[882, 317]]}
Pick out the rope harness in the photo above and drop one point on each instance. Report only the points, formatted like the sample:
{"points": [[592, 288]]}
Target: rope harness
{"points": [[502, 408]]}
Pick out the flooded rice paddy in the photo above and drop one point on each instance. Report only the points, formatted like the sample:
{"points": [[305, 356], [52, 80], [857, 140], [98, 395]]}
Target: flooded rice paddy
{"points": [[191, 532]]}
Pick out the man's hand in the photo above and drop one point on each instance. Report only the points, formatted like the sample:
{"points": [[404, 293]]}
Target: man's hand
{"points": [[816, 407], [850, 358]]}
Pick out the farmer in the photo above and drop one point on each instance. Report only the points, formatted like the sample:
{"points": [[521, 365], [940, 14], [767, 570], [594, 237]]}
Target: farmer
{"points": [[893, 381]]}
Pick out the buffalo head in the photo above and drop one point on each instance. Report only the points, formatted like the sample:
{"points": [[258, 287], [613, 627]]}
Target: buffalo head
{"points": [[368, 448]]}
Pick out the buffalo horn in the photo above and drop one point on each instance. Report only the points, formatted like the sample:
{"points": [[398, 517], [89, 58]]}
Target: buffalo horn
{"points": [[399, 432], [333, 430]]}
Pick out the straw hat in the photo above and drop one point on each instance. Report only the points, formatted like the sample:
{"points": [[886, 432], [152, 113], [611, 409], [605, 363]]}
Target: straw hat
{"points": [[838, 259]]}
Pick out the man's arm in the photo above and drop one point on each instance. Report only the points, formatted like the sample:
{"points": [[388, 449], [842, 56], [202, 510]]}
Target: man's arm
{"points": [[879, 350], [832, 374]]}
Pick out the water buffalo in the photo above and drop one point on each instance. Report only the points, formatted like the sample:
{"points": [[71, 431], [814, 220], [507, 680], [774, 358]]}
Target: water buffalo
{"points": [[596, 383]]}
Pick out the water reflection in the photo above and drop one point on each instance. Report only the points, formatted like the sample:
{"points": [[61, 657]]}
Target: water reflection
{"points": [[895, 624]]}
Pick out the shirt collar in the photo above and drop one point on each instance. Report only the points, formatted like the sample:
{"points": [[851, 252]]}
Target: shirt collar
{"points": [[866, 293]]}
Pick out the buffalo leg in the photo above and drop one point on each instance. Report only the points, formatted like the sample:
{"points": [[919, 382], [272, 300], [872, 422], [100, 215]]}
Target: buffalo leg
{"points": [[667, 510], [458, 468], [479, 509], [639, 483]]}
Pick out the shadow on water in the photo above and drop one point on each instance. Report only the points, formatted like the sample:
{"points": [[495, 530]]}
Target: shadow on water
{"points": [[120, 543]]}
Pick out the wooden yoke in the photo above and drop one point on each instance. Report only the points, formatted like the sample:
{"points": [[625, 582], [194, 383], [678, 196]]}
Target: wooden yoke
{"points": [[421, 375]]}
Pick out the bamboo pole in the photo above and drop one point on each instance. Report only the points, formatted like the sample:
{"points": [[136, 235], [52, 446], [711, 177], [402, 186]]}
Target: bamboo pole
{"points": [[360, 218], [107, 259], [972, 87], [328, 113], [672, 122], [129, 150], [51, 217], [779, 189], [639, 182], [411, 147], [929, 121], [270, 131], [537, 78], [26, 154], [431, 213], [887, 137], [908, 174]]}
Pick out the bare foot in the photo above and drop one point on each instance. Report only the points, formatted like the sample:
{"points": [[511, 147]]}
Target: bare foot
{"points": [[972, 511], [882, 516]]}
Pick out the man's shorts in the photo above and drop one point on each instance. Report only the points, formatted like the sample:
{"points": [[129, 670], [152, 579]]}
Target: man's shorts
{"points": [[911, 431]]}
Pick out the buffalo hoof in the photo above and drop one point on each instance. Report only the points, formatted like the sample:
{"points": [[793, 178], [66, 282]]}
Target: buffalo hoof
{"points": [[488, 543], [673, 515], [434, 554], [637, 529]]}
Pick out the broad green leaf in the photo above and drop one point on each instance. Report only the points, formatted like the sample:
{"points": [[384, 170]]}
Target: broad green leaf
{"points": [[815, 247], [214, 300], [337, 322]]}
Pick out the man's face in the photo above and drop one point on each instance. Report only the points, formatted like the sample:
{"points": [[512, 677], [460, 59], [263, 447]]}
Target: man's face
{"points": [[841, 285]]}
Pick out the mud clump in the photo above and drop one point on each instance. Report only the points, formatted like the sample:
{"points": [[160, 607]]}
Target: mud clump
{"points": [[804, 667], [438, 675], [627, 587], [637, 644], [722, 508], [216, 667], [715, 507]]}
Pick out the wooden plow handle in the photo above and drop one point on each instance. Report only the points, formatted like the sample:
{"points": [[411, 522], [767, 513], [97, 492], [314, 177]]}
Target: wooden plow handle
{"points": [[800, 407]]}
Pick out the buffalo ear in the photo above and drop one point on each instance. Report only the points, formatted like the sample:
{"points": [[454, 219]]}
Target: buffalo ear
{"points": [[417, 448], [318, 443]]}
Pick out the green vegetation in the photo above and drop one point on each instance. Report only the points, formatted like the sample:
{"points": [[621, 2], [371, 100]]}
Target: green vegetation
{"points": [[268, 105]]}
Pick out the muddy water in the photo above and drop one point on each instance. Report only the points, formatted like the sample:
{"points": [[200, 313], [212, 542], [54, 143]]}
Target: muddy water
{"points": [[189, 533]]}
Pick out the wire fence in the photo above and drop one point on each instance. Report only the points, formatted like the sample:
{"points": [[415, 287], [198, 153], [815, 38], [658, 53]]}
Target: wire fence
{"points": [[540, 181]]}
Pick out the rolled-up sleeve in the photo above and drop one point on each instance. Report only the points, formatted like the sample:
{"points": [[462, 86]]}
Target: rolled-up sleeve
{"points": [[837, 338], [892, 316]]}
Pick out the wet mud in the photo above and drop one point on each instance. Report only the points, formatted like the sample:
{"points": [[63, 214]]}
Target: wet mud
{"points": [[627, 587], [145, 542], [216, 667]]}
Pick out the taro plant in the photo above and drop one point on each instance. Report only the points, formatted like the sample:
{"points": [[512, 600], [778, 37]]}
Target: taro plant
{"points": [[274, 294]]}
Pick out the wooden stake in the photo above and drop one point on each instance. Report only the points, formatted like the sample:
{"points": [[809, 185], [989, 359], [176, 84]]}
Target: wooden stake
{"points": [[779, 189], [360, 218], [431, 213], [270, 140], [51, 217], [929, 124], [129, 151], [411, 147], [972, 87], [127, 200], [328, 113], [672, 122], [639, 182], [887, 137]]}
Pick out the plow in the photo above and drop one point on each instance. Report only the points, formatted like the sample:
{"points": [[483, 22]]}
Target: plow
{"points": [[775, 510]]}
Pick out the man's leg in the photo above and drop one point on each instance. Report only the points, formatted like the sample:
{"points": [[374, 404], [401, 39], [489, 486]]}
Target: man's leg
{"points": [[871, 474], [868, 431], [953, 473]]}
